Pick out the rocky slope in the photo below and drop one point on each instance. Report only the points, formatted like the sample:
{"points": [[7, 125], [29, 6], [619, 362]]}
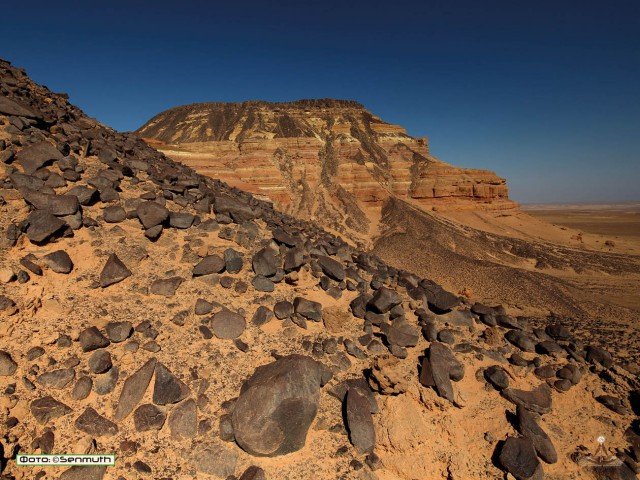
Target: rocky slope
{"points": [[326, 160], [196, 332]]}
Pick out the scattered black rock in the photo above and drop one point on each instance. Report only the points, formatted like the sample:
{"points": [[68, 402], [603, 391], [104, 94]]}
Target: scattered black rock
{"points": [[151, 214], [114, 214], [119, 331], [183, 420], [148, 417], [308, 309], [34, 156], [384, 300], [537, 400], [48, 408], [168, 388], [134, 389], [59, 261], [91, 339], [228, 325], [7, 366], [166, 286], [262, 316], [82, 388], [265, 262], [114, 271], [439, 367], [41, 225], [94, 424], [208, 265], [100, 361], [497, 377]]}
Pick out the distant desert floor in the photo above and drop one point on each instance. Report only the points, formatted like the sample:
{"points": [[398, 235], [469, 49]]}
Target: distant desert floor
{"points": [[614, 220]]}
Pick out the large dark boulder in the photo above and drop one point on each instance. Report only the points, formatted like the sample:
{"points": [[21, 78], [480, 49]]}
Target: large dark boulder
{"points": [[208, 265], [359, 421], [238, 210], [58, 205], [277, 405], [151, 214], [41, 225], [331, 268], [439, 367], [308, 308], [265, 262], [518, 457], [34, 156], [114, 271], [12, 107], [537, 400], [384, 300], [528, 427], [59, 261]]}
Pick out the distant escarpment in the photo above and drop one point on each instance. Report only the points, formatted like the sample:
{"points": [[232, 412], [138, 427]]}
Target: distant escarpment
{"points": [[326, 160]]}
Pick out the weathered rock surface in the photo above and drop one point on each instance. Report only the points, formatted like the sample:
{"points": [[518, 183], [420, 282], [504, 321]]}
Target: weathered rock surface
{"points": [[208, 265], [7, 365], [34, 156], [439, 367], [228, 325]]}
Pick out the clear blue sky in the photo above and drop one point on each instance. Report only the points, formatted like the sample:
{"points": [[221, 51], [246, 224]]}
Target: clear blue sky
{"points": [[545, 93]]}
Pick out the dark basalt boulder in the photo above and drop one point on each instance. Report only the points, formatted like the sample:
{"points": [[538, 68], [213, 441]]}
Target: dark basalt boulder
{"points": [[59, 261], [265, 262], [308, 309], [439, 367], [359, 421], [151, 214], [384, 300], [114, 271], [58, 205], [277, 405], [528, 427], [34, 156], [41, 225], [537, 400], [518, 457], [236, 209], [331, 268], [208, 265], [12, 107]]}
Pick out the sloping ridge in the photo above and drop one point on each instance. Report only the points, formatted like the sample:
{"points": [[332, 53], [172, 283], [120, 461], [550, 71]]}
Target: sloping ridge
{"points": [[193, 330]]}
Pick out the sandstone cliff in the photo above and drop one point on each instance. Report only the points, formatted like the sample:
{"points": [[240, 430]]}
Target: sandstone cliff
{"points": [[326, 160]]}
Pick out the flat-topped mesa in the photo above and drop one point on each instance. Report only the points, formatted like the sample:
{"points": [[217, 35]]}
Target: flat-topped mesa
{"points": [[326, 159]]}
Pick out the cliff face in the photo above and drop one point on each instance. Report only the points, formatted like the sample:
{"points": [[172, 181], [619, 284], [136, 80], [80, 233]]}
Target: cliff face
{"points": [[326, 160]]}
